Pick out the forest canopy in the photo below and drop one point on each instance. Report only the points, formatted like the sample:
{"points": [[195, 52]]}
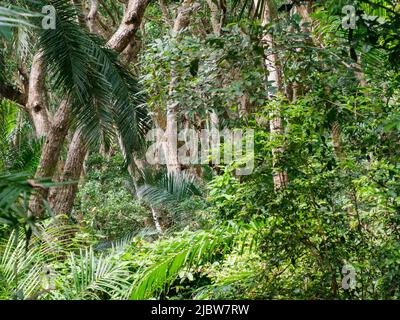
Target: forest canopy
{"points": [[199, 149]]}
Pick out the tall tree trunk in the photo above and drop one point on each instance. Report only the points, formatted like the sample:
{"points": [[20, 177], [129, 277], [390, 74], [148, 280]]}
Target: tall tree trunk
{"points": [[92, 15], [171, 132], [50, 155], [280, 177], [63, 199], [215, 22], [36, 103]]}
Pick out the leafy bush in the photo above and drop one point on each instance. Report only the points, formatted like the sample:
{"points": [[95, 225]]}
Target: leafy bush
{"points": [[112, 214]]}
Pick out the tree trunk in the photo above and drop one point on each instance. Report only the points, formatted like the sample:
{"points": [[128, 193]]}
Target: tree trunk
{"points": [[171, 132], [130, 23], [215, 22], [55, 138], [36, 103], [50, 154], [64, 196], [91, 17], [280, 177]]}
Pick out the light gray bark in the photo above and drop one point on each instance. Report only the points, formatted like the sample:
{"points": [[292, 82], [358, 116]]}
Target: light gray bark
{"points": [[280, 177], [36, 103], [92, 15], [171, 132]]}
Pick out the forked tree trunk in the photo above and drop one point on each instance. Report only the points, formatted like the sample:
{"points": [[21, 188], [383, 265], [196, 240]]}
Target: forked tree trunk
{"points": [[130, 24]]}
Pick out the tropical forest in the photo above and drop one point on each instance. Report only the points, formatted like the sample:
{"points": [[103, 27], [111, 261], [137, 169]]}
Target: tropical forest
{"points": [[199, 150]]}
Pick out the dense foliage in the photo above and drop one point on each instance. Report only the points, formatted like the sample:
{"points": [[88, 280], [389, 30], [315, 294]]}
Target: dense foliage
{"points": [[84, 215]]}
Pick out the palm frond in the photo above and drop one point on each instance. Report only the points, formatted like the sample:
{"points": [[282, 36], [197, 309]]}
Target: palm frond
{"points": [[168, 188], [15, 191], [193, 251], [20, 267], [13, 16], [11, 186], [126, 104], [93, 276], [104, 96]]}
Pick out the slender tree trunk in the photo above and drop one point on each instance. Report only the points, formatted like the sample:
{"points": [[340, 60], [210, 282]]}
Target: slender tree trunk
{"points": [[280, 177], [50, 155], [171, 132], [215, 22], [63, 200], [92, 15], [36, 103]]}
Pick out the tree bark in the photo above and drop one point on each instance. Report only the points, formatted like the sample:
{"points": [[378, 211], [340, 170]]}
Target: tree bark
{"points": [[50, 154], [280, 177], [92, 15], [171, 132], [64, 196], [130, 23], [215, 22], [36, 103]]}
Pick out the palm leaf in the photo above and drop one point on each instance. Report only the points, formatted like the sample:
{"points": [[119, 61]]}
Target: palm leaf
{"points": [[104, 96], [20, 266], [16, 17], [93, 276], [168, 188], [193, 251]]}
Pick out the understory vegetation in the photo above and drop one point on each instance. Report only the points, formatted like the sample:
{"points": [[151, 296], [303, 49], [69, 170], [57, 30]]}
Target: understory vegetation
{"points": [[90, 210]]}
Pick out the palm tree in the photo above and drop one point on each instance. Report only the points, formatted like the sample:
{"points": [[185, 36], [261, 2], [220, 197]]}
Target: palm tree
{"points": [[98, 97]]}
